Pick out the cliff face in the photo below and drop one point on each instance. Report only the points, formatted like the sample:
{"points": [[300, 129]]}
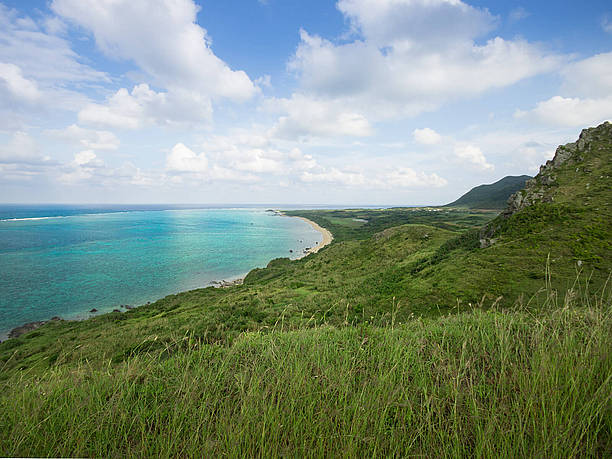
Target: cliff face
{"points": [[579, 175]]}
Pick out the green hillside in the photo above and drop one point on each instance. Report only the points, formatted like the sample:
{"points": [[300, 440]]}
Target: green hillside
{"points": [[418, 331], [493, 196]]}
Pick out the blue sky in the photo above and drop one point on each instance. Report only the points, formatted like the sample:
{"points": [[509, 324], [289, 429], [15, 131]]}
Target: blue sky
{"points": [[393, 102]]}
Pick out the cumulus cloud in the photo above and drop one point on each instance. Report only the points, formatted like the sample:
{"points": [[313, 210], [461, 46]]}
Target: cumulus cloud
{"points": [[183, 159], [571, 111], [144, 107], [407, 57], [304, 117], [586, 95], [421, 23], [472, 156], [163, 40], [88, 168], [426, 136]]}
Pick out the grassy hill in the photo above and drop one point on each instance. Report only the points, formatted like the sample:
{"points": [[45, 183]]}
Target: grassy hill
{"points": [[416, 332], [493, 196]]}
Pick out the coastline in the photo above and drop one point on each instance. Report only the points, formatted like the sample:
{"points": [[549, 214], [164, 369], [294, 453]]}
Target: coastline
{"points": [[224, 283], [327, 236]]}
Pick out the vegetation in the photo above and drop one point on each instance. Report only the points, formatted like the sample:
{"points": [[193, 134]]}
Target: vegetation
{"points": [[403, 337], [471, 384], [493, 196]]}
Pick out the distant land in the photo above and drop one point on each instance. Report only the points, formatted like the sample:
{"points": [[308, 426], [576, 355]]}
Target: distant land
{"points": [[492, 196]]}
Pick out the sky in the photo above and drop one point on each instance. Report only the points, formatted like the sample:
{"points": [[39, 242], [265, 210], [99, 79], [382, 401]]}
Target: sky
{"points": [[348, 102]]}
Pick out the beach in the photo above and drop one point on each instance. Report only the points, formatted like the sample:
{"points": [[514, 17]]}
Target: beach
{"points": [[327, 236]]}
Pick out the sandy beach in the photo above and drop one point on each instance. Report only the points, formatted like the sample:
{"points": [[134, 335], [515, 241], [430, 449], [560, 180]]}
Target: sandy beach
{"points": [[327, 236]]}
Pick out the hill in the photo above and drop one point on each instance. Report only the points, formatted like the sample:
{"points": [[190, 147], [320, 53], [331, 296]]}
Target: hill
{"points": [[425, 331], [492, 196]]}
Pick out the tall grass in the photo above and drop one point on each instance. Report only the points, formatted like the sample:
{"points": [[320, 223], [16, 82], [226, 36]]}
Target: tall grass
{"points": [[478, 384]]}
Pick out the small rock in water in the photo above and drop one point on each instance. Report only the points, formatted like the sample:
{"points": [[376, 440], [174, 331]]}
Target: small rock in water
{"points": [[93, 310], [116, 310]]}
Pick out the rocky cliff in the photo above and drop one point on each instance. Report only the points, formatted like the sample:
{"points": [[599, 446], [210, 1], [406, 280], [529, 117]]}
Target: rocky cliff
{"points": [[578, 171]]}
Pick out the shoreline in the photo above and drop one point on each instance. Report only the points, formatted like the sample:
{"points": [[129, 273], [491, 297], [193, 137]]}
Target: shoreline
{"points": [[328, 237], [30, 326]]}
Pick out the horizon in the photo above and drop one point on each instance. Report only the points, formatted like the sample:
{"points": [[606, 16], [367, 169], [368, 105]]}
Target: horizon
{"points": [[242, 101]]}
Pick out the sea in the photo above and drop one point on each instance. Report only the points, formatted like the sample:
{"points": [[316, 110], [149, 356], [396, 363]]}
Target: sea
{"points": [[67, 260]]}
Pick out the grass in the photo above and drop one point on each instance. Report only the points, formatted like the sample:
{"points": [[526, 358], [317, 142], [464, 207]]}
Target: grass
{"points": [[479, 383]]}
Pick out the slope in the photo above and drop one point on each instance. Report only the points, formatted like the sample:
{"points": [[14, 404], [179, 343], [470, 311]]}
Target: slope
{"points": [[492, 196]]}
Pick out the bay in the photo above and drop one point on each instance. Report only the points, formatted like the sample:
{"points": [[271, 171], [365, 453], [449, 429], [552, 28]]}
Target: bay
{"points": [[64, 261]]}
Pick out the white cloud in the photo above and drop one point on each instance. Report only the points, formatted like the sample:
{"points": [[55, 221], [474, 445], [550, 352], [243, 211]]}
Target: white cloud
{"points": [[473, 156], [183, 159], [404, 177], [23, 149], [144, 107], [591, 77], [406, 57], [13, 82], [571, 111], [41, 56], [305, 116], [407, 177], [585, 99], [416, 22], [87, 158], [87, 138], [164, 40], [87, 168], [336, 176], [426, 136]]}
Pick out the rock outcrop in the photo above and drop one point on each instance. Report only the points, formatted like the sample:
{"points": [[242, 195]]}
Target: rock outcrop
{"points": [[543, 187], [25, 328]]}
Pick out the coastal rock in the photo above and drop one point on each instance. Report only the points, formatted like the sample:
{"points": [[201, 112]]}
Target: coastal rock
{"points": [[116, 310], [25, 328], [93, 310]]}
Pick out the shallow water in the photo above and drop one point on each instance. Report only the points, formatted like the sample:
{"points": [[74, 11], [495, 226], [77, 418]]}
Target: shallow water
{"points": [[84, 258]]}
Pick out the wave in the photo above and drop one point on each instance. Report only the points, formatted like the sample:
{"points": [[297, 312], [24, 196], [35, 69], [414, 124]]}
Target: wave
{"points": [[31, 218]]}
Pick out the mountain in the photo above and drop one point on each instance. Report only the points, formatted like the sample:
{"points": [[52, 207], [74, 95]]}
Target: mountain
{"points": [[493, 196]]}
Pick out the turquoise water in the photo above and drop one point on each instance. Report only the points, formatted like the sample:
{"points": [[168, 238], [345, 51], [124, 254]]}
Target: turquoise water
{"points": [[84, 258]]}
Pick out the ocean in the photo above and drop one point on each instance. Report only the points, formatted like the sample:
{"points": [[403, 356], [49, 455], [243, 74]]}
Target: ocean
{"points": [[66, 260]]}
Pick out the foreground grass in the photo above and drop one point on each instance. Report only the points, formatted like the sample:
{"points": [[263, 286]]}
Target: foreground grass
{"points": [[478, 383]]}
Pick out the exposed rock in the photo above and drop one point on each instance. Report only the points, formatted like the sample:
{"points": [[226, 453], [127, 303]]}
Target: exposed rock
{"points": [[25, 328], [93, 310], [542, 187], [116, 310]]}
